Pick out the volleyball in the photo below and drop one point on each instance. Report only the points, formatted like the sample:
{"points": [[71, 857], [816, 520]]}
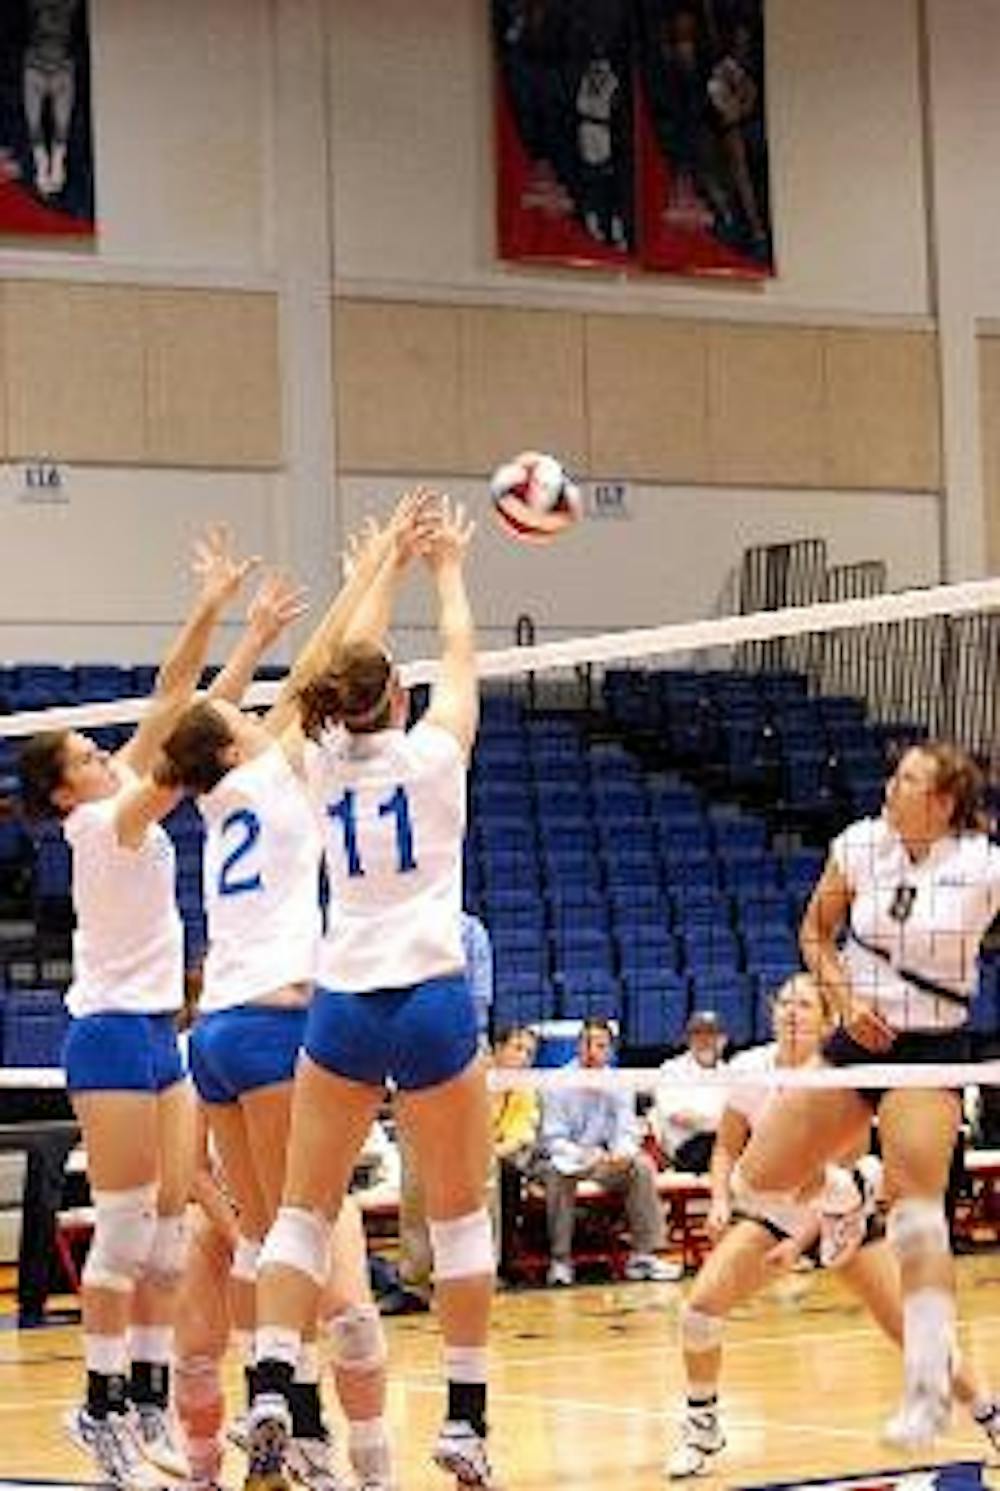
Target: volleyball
{"points": [[533, 497]]}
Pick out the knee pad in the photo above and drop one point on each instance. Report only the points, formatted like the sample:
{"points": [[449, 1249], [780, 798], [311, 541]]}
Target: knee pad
{"points": [[917, 1228], [246, 1260], [772, 1208], [166, 1258], [463, 1247], [300, 1240], [124, 1230], [700, 1331], [357, 1340]]}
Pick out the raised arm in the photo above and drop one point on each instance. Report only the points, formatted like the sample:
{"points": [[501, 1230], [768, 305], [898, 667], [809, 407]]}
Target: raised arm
{"points": [[220, 576], [278, 603], [455, 696]]}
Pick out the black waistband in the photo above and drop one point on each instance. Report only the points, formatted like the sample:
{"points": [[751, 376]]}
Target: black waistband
{"points": [[925, 985]]}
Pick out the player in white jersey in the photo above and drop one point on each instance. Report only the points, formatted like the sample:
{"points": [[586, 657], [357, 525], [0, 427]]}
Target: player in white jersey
{"points": [[123, 1069], [914, 891], [749, 1252], [261, 864], [392, 1004]]}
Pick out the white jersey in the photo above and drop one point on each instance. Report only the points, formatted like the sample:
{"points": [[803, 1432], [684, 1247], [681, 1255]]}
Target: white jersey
{"points": [[261, 861], [128, 947], [927, 917], [749, 1100], [392, 808]]}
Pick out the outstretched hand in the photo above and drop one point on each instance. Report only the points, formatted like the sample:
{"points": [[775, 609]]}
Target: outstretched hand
{"points": [[217, 569], [278, 604], [443, 537]]}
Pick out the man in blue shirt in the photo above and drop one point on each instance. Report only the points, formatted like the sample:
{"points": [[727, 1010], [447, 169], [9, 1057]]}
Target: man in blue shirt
{"points": [[592, 1135]]}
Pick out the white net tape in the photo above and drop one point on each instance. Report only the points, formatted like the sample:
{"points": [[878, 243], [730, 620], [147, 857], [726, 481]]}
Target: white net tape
{"points": [[609, 647]]}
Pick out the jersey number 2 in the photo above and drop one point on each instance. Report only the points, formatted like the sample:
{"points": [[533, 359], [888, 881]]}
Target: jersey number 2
{"points": [[247, 827], [395, 806]]}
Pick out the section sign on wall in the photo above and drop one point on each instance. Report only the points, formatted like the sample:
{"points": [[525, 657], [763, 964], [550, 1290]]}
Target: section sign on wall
{"points": [[46, 142], [631, 134]]}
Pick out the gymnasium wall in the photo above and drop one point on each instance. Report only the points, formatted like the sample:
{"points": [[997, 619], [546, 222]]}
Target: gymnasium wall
{"points": [[153, 365]]}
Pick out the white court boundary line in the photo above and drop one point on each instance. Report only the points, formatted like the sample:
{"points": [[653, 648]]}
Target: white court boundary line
{"points": [[665, 641], [648, 1079]]}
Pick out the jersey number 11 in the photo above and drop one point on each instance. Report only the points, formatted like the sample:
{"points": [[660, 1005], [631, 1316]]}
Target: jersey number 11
{"points": [[396, 806]]}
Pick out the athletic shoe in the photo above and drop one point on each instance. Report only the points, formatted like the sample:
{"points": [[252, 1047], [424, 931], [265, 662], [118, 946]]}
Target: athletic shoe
{"points": [[269, 1431], [153, 1431], [989, 1421], [922, 1416], [111, 1446], [561, 1274], [701, 1439], [647, 1268], [310, 1463], [462, 1452]]}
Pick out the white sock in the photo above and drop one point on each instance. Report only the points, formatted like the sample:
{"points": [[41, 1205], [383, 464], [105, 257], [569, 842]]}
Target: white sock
{"points": [[929, 1339], [276, 1343], [466, 1363], [307, 1366], [151, 1343], [107, 1355]]}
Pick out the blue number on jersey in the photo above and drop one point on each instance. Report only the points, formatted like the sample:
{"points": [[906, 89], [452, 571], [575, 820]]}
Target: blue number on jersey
{"points": [[398, 805], [247, 825]]}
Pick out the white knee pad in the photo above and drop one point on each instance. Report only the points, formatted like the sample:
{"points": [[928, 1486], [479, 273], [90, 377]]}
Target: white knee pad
{"points": [[124, 1231], [357, 1340], [700, 1331], [917, 1228], [300, 1240], [166, 1258], [773, 1208], [463, 1247], [246, 1260]]}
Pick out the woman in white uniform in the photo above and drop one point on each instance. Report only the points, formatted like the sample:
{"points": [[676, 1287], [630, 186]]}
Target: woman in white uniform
{"points": [[392, 1003], [123, 1070], [914, 891], [749, 1252]]}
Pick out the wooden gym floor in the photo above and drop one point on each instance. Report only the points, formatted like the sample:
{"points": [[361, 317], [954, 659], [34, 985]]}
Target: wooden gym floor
{"points": [[585, 1388]]}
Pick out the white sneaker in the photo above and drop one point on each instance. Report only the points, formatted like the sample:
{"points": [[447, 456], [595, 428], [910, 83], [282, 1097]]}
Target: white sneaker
{"points": [[989, 1422], [922, 1416], [310, 1463], [111, 1446], [153, 1431], [701, 1439], [647, 1268], [462, 1452], [561, 1273], [269, 1432]]}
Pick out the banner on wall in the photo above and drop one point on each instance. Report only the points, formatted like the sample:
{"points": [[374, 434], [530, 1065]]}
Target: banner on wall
{"points": [[46, 144], [565, 130], [704, 201], [632, 133]]}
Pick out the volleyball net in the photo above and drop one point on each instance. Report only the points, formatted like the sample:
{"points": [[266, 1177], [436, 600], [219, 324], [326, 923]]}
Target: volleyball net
{"points": [[650, 810]]}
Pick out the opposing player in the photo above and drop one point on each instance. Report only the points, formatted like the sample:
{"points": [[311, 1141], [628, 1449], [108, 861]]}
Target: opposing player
{"points": [[749, 1252], [392, 1002], [123, 1069], [914, 890]]}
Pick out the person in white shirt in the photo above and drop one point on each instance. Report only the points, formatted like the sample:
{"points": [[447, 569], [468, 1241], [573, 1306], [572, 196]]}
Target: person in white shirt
{"points": [[684, 1118], [123, 1069], [750, 1251], [392, 1002], [913, 892]]}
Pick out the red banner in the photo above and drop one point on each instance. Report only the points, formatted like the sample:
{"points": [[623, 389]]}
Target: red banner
{"points": [[46, 148], [630, 134]]}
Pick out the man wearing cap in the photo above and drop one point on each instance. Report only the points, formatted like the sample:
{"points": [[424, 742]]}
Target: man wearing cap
{"points": [[684, 1118]]}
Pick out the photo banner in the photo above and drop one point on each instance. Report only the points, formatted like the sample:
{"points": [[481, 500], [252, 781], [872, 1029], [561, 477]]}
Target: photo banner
{"points": [[704, 198], [565, 130], [46, 141], [631, 134]]}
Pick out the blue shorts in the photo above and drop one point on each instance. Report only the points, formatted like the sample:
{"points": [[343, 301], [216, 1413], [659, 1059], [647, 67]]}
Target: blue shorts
{"points": [[122, 1053], [417, 1037], [238, 1050]]}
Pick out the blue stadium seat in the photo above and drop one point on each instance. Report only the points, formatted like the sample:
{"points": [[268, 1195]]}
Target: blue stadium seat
{"points": [[34, 1027]]}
